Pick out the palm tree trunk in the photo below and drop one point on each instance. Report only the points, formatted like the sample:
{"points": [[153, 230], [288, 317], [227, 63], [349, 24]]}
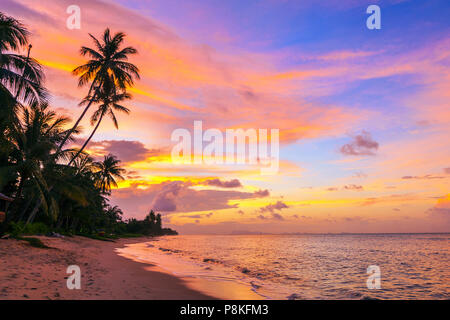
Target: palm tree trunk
{"points": [[69, 133], [33, 214], [15, 205], [39, 202], [87, 140], [25, 209]]}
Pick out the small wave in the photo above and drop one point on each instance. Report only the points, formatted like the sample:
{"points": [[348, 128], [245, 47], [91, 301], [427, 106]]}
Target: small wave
{"points": [[211, 260], [254, 285], [291, 278], [169, 250]]}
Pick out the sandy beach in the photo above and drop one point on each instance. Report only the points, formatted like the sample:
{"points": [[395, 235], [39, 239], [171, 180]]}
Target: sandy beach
{"points": [[33, 273]]}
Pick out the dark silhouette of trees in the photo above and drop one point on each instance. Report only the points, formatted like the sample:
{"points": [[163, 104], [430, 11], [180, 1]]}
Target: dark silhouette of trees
{"points": [[107, 70], [52, 188], [150, 225]]}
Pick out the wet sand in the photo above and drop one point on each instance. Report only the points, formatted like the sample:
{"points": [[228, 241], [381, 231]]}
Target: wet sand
{"points": [[34, 273]]}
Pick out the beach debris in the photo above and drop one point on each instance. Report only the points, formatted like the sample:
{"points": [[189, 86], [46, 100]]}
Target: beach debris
{"points": [[245, 270], [54, 235]]}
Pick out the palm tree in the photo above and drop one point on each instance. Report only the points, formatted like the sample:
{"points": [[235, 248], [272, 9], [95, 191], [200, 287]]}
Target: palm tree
{"points": [[83, 164], [33, 142], [107, 62], [20, 76], [114, 213], [20, 80], [108, 171], [109, 101]]}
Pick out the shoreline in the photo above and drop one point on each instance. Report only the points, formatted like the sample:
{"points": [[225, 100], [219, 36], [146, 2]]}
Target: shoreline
{"points": [[29, 273], [218, 287]]}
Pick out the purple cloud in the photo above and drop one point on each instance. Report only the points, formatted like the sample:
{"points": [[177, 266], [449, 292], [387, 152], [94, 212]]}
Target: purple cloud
{"points": [[125, 150], [262, 193], [175, 196], [425, 177], [235, 183], [362, 144], [353, 187], [279, 205]]}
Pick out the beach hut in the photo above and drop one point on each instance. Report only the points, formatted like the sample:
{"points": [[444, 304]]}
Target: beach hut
{"points": [[4, 203]]}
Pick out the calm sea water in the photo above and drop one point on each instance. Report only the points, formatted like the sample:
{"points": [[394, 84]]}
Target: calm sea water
{"points": [[413, 266]]}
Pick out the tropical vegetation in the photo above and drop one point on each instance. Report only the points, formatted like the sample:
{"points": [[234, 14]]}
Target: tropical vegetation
{"points": [[55, 187]]}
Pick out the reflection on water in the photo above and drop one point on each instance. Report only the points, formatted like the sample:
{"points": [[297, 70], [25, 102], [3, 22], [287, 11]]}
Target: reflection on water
{"points": [[413, 266]]}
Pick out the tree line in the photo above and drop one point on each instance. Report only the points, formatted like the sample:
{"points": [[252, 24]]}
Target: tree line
{"points": [[54, 186]]}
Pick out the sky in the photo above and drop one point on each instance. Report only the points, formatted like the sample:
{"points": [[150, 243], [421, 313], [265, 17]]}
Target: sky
{"points": [[363, 115]]}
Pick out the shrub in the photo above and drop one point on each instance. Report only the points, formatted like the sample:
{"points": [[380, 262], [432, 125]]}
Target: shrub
{"points": [[18, 228]]}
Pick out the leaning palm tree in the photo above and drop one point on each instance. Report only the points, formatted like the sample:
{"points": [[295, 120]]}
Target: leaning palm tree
{"points": [[109, 171], [108, 99], [107, 61]]}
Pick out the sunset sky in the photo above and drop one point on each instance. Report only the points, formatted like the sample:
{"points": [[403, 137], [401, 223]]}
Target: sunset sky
{"points": [[364, 115]]}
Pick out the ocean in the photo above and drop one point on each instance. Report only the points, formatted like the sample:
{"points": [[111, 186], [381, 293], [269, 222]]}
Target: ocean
{"points": [[327, 266]]}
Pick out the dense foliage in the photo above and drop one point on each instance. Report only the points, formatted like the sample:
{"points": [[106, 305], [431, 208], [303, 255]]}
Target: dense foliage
{"points": [[55, 187]]}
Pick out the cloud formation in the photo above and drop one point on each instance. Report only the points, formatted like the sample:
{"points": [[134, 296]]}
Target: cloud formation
{"points": [[425, 177], [361, 145], [176, 197], [125, 150], [279, 205], [272, 208], [235, 183], [353, 187], [441, 210]]}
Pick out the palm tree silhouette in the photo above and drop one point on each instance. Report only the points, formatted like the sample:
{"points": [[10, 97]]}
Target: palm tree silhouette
{"points": [[107, 63], [109, 101], [33, 143], [20, 76], [109, 171]]}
